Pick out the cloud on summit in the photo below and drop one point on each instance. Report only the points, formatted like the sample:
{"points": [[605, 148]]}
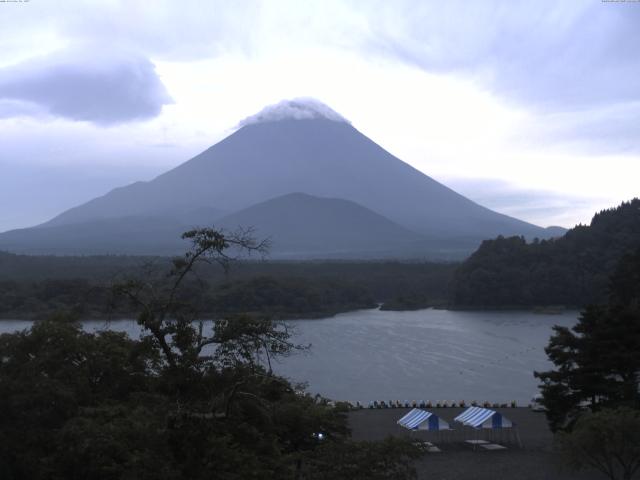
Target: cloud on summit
{"points": [[104, 88], [302, 108]]}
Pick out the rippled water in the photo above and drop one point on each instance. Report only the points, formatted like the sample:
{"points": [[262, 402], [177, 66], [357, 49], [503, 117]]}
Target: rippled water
{"points": [[422, 355]]}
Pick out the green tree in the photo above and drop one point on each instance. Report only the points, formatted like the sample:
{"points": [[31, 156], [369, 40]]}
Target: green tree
{"points": [[598, 360], [608, 441], [54, 379], [170, 320]]}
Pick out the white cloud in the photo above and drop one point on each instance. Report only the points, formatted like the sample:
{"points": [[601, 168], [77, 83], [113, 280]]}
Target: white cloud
{"points": [[304, 108]]}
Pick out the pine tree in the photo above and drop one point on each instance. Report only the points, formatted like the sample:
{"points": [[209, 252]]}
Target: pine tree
{"points": [[597, 362]]}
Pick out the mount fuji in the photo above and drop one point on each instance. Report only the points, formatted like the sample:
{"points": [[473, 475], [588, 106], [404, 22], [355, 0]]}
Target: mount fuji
{"points": [[298, 172]]}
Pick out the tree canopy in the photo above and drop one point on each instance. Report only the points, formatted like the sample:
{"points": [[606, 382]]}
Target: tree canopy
{"points": [[607, 441], [35, 287]]}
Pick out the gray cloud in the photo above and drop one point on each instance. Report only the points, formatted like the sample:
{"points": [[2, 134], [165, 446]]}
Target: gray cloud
{"points": [[18, 108], [169, 30], [552, 55], [593, 131], [94, 85], [549, 54]]}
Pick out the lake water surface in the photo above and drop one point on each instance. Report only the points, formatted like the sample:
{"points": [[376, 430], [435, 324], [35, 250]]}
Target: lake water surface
{"points": [[421, 355]]}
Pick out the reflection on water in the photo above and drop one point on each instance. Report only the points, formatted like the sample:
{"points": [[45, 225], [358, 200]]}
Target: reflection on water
{"points": [[421, 355]]}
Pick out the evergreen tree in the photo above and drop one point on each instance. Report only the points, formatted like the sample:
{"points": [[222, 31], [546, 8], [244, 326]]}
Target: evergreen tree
{"points": [[598, 360]]}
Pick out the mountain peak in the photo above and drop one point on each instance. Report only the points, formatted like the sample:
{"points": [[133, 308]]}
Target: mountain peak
{"points": [[302, 108]]}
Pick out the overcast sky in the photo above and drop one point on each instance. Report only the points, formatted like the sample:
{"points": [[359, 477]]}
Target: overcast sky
{"points": [[530, 108]]}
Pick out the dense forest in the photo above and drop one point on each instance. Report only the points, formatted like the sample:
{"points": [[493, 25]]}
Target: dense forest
{"points": [[34, 287], [572, 270]]}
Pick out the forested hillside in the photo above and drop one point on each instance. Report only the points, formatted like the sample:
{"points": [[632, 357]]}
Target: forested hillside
{"points": [[34, 287], [572, 270]]}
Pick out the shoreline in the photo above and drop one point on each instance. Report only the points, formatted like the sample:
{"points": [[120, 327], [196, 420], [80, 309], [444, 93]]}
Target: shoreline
{"points": [[95, 316]]}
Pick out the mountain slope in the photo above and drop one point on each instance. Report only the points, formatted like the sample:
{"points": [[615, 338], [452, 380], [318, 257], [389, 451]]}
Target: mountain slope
{"points": [[298, 225], [301, 225], [319, 157], [135, 235]]}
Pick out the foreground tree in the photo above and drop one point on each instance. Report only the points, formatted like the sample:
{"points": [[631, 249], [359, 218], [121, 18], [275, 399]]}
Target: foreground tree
{"points": [[598, 360], [78, 405], [608, 441], [188, 400], [169, 320], [390, 459]]}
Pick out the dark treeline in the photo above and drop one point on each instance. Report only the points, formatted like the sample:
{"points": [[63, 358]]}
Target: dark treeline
{"points": [[572, 270], [98, 267], [33, 287]]}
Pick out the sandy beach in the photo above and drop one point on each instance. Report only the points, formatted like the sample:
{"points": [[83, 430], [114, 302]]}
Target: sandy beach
{"points": [[459, 461]]}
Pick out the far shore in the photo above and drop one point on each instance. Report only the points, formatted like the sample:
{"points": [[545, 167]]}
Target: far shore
{"points": [[206, 316], [100, 316]]}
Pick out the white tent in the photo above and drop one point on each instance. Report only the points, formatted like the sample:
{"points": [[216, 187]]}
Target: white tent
{"points": [[478, 417], [418, 419]]}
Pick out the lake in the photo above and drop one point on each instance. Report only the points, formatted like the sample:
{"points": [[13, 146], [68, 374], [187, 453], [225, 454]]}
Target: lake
{"points": [[420, 355]]}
